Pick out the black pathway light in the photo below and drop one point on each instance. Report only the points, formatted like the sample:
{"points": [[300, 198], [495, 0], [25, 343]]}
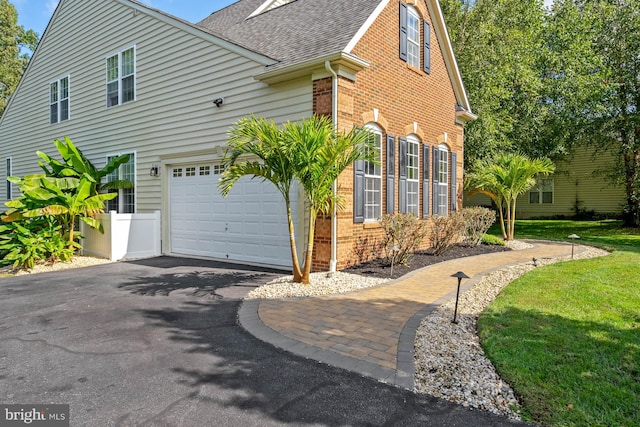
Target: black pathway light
{"points": [[460, 275]]}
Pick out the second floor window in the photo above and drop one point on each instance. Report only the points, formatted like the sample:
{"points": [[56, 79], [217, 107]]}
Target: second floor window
{"points": [[413, 38], [59, 107], [121, 77]]}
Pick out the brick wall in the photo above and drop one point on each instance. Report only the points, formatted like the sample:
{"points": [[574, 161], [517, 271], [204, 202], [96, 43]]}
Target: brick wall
{"points": [[404, 100]]}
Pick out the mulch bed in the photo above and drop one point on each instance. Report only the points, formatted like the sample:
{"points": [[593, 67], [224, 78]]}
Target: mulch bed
{"points": [[376, 267]]}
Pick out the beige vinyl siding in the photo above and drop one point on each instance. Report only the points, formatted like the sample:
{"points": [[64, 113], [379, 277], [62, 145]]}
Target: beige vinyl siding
{"points": [[578, 177], [178, 75]]}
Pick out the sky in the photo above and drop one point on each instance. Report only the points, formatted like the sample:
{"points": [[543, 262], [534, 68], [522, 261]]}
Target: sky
{"points": [[35, 14]]}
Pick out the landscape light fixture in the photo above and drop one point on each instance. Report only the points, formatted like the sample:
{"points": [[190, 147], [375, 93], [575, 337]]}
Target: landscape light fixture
{"points": [[460, 275], [573, 238]]}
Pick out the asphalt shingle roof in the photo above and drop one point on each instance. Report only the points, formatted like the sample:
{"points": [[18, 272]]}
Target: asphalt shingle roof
{"points": [[295, 32]]}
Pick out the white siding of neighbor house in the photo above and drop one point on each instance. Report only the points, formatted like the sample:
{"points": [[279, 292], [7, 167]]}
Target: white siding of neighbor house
{"points": [[178, 75]]}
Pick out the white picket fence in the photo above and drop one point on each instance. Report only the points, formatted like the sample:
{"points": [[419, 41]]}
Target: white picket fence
{"points": [[126, 236]]}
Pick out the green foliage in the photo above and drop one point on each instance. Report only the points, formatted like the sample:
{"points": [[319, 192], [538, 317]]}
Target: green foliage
{"points": [[12, 62], [75, 165], [607, 234], [477, 220], [446, 232], [310, 152], [565, 337], [63, 198], [490, 239], [503, 179], [499, 49], [26, 243], [403, 234]]}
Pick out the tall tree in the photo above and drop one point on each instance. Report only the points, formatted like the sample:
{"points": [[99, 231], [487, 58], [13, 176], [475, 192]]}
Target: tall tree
{"points": [[13, 37], [594, 84], [499, 48]]}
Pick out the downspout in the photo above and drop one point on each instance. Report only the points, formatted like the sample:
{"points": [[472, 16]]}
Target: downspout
{"points": [[333, 264]]}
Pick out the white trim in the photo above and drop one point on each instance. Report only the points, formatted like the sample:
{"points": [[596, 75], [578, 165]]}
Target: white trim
{"points": [[442, 34], [120, 77], [411, 11], [365, 27], [268, 5], [59, 100], [194, 30], [413, 139], [135, 178], [8, 161], [376, 130]]}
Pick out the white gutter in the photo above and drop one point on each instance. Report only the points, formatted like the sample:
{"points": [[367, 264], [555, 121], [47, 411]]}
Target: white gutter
{"points": [[333, 264]]}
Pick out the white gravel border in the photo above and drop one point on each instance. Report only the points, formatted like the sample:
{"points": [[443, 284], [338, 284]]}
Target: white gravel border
{"points": [[449, 361]]}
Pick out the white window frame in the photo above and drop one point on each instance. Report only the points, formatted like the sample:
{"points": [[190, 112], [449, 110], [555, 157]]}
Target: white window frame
{"points": [[121, 200], [538, 192], [8, 164], [119, 78], [413, 37], [59, 100], [413, 174], [443, 179], [373, 176]]}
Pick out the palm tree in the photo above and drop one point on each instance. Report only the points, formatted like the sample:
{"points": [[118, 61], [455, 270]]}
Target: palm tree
{"points": [[261, 139], [320, 155], [504, 179], [310, 152]]}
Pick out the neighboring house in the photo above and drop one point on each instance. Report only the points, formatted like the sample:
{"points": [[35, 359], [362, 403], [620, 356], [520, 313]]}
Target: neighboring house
{"points": [[579, 187], [167, 92]]}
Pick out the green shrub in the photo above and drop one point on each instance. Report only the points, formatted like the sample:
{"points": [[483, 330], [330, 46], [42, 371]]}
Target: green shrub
{"points": [[26, 243], [490, 239], [477, 220], [405, 232], [446, 231]]}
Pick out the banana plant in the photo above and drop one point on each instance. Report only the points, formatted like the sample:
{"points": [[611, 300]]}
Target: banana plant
{"points": [[66, 198], [75, 164]]}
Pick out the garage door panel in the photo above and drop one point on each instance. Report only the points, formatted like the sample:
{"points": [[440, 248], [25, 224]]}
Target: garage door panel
{"points": [[249, 225]]}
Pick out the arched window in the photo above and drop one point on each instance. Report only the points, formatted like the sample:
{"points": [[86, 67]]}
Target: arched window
{"points": [[373, 178], [440, 180], [413, 174]]}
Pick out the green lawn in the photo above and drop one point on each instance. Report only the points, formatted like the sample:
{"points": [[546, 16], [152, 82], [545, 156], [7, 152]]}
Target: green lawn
{"points": [[567, 336]]}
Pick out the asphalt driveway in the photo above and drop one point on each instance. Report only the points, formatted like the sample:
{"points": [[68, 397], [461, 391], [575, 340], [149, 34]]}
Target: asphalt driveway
{"points": [[157, 343]]}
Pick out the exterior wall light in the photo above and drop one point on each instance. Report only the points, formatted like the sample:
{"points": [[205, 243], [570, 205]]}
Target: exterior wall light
{"points": [[154, 171], [218, 102]]}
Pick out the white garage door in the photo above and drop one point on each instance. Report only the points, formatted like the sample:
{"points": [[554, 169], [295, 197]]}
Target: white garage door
{"points": [[250, 224]]}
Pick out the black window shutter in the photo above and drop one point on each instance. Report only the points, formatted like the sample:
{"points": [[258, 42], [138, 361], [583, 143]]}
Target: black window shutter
{"points": [[425, 181], [427, 48], [402, 182], [454, 185], [391, 173], [358, 191], [436, 176], [403, 31]]}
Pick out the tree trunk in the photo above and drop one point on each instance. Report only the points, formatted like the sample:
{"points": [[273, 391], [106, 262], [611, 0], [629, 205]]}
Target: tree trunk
{"points": [[512, 224], [297, 273], [309, 256], [508, 208]]}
